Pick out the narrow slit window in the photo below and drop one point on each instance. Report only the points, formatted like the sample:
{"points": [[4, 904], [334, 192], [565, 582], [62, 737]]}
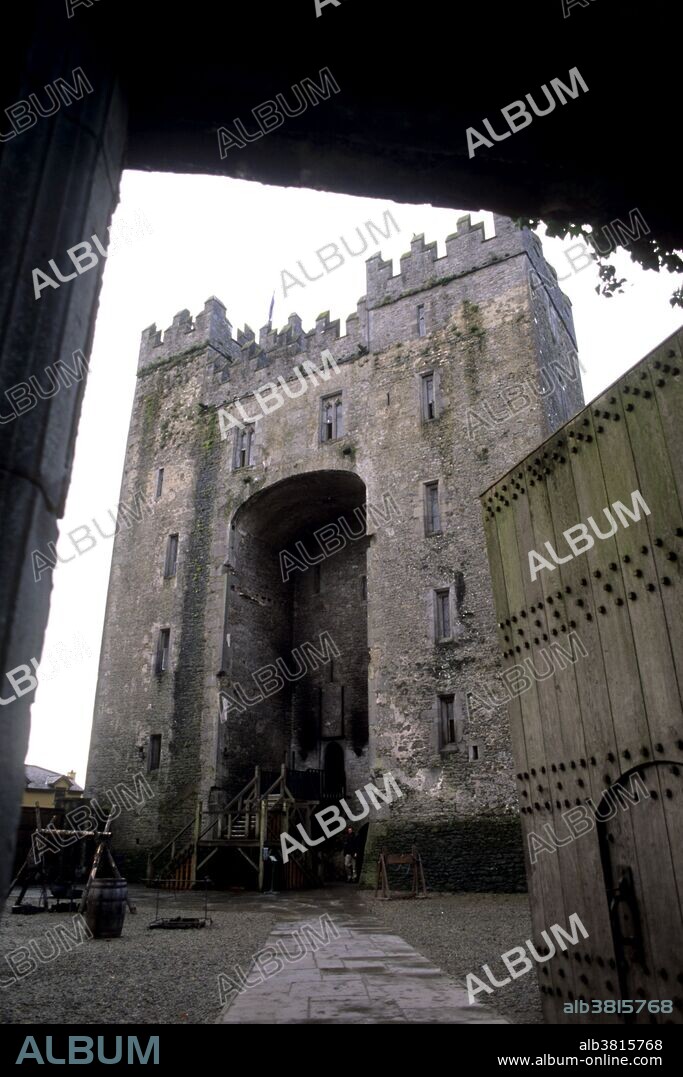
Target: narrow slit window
{"points": [[432, 515], [447, 717], [421, 330], [364, 587], [443, 614], [154, 751], [163, 650], [244, 447], [331, 418], [316, 579], [428, 401], [171, 562], [474, 752], [328, 423], [160, 482]]}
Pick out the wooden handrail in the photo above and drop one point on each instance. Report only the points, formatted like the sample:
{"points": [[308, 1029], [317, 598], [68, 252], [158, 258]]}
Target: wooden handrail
{"points": [[250, 787], [239, 797], [246, 804], [188, 826]]}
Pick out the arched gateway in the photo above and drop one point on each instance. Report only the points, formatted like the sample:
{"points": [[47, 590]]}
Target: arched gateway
{"points": [[294, 675]]}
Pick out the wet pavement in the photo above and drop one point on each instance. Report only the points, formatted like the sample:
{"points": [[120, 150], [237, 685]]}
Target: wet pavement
{"points": [[333, 963]]}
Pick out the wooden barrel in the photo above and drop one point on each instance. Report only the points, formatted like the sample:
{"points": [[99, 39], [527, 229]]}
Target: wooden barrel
{"points": [[106, 907]]}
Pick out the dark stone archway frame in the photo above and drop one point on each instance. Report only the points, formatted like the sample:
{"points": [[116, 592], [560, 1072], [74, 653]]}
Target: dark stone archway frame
{"points": [[410, 85]]}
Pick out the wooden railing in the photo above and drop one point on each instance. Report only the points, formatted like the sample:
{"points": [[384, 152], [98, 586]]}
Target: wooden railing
{"points": [[243, 818]]}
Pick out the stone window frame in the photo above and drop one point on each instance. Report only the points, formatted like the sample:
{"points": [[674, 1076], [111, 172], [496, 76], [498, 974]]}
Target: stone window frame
{"points": [[423, 376], [248, 430], [163, 654], [171, 559], [444, 746], [160, 483], [447, 727], [427, 486], [336, 400], [153, 752], [437, 595], [421, 321]]}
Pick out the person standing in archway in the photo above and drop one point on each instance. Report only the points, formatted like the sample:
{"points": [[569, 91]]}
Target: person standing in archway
{"points": [[350, 848]]}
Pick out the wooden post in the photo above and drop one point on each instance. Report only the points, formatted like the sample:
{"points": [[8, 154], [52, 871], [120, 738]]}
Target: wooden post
{"points": [[195, 838], [262, 841]]}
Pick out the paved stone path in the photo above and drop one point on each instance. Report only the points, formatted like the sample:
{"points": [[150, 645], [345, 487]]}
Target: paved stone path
{"points": [[364, 975]]}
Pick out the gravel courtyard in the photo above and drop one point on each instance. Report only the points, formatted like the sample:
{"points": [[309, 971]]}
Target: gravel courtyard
{"points": [[170, 977], [146, 976], [462, 932]]}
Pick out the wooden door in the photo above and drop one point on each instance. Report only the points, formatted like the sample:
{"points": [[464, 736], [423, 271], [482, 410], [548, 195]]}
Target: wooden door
{"points": [[640, 846]]}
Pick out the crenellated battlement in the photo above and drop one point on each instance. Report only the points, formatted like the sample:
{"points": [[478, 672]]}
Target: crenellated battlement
{"points": [[211, 326], [468, 251]]}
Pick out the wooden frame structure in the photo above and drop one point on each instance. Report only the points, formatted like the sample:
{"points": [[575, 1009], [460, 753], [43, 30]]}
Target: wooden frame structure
{"points": [[252, 821], [385, 859]]}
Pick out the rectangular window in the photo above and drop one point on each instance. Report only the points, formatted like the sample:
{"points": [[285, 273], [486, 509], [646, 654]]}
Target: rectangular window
{"points": [[163, 649], [432, 515], [244, 448], [331, 418], [421, 330], [447, 719], [443, 614], [160, 482], [428, 403], [316, 579], [171, 556], [474, 752], [154, 751]]}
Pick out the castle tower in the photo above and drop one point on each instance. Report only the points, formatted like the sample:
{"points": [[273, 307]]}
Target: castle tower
{"points": [[310, 585]]}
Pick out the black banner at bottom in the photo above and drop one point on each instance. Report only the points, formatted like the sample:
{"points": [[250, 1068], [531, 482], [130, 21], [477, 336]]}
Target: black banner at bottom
{"points": [[498, 1046]]}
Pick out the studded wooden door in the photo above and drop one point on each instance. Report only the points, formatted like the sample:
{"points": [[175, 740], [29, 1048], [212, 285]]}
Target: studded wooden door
{"points": [[645, 898], [609, 618]]}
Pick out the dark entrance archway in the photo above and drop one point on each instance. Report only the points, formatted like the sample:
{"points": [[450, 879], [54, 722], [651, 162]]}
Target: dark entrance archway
{"points": [[334, 785], [296, 622]]}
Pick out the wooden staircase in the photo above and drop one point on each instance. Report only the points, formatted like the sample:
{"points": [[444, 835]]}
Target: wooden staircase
{"points": [[253, 820]]}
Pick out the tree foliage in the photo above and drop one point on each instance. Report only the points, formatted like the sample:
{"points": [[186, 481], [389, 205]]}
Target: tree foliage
{"points": [[645, 250]]}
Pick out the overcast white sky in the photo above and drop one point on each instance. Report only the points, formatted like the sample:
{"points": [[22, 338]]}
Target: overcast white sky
{"points": [[202, 236]]}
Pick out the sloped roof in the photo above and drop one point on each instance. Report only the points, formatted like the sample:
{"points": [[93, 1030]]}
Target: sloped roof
{"points": [[40, 778]]}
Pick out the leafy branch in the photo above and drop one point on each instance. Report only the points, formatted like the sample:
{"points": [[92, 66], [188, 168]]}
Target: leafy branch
{"points": [[647, 251]]}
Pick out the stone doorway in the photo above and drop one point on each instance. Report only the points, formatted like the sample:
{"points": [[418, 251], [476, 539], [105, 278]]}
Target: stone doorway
{"points": [[335, 773]]}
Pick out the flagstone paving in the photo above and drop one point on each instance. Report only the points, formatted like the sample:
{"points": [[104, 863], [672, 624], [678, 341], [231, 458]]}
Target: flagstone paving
{"points": [[364, 975]]}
